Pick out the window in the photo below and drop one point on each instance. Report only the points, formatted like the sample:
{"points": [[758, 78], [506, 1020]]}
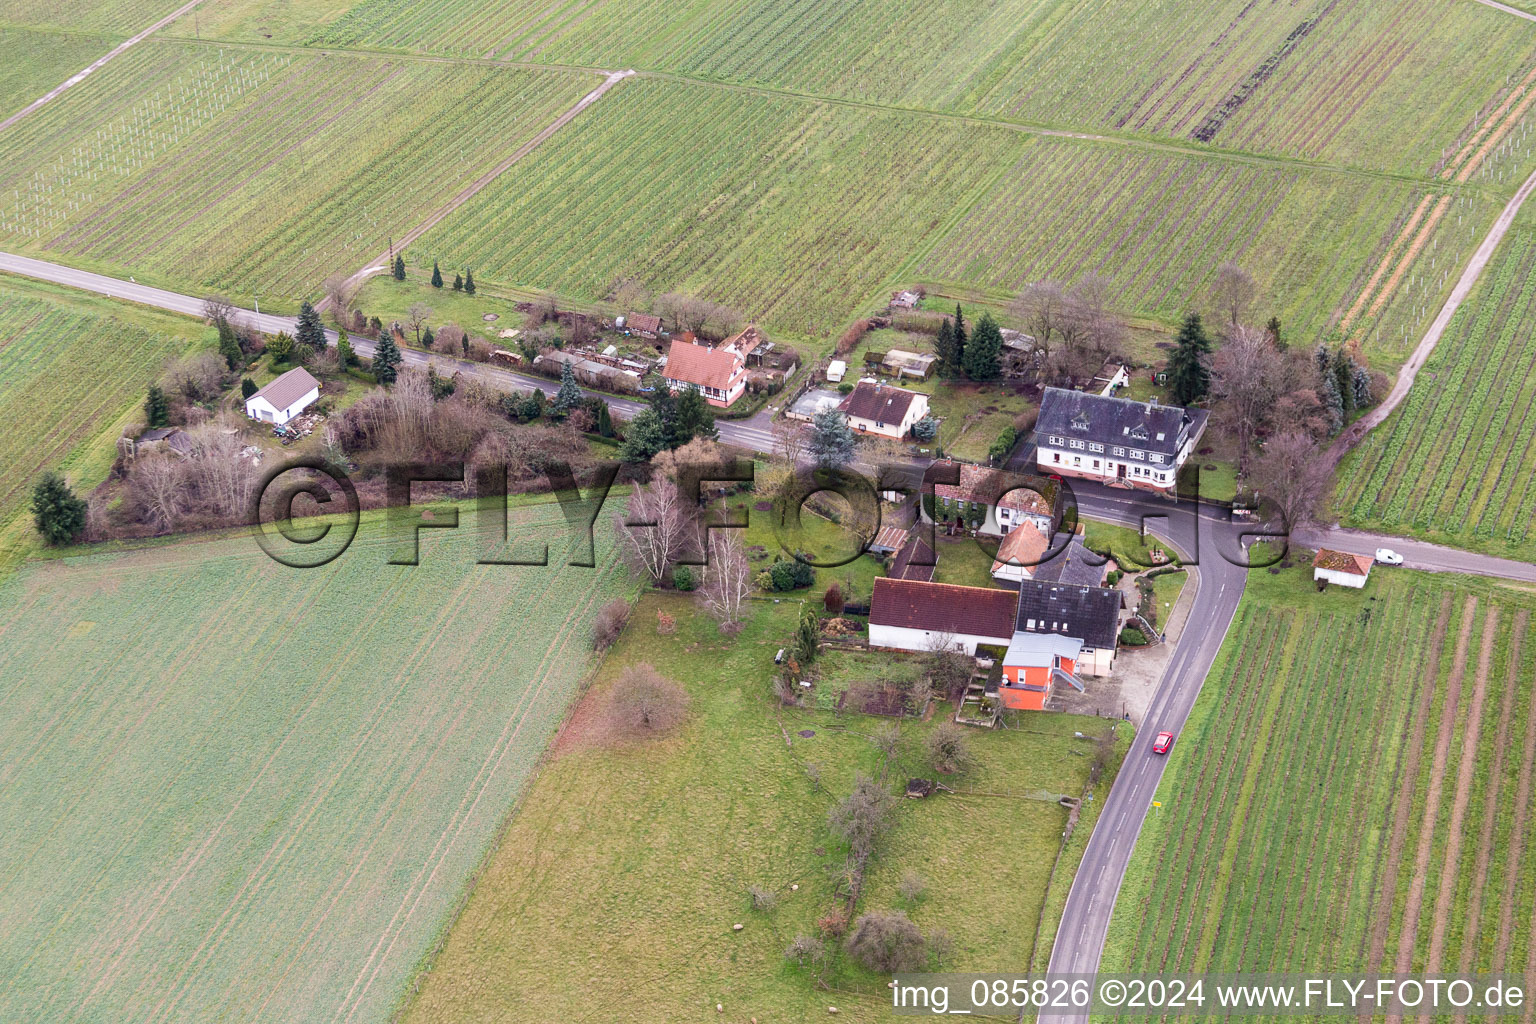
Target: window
{"points": [[1095, 447], [1095, 463], [1077, 460], [1055, 456], [1156, 457], [1138, 455], [1117, 450], [1078, 445]]}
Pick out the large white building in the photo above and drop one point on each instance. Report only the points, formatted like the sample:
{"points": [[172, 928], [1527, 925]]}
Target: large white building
{"points": [[913, 615], [1115, 441], [284, 398]]}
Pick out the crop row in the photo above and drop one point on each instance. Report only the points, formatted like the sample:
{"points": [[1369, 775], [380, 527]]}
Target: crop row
{"points": [[316, 162], [794, 212]]}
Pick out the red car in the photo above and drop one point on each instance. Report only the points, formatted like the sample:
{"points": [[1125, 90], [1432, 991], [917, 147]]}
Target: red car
{"points": [[1163, 742]]}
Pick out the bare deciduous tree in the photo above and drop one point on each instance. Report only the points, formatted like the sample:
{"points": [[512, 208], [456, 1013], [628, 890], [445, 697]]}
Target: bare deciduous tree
{"points": [[1292, 473], [340, 290], [1232, 292], [221, 478], [416, 318], [629, 292], [645, 703], [1247, 376], [657, 530], [609, 623], [887, 941], [1075, 329], [862, 817], [727, 579], [157, 486], [218, 310], [949, 748]]}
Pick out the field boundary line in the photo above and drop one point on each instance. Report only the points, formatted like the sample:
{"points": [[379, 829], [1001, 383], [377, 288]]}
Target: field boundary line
{"points": [[96, 65], [1508, 9], [378, 264]]}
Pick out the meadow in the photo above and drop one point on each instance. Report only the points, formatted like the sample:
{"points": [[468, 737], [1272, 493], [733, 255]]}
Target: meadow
{"points": [[257, 172], [1387, 86], [1455, 463], [238, 791], [35, 62], [73, 369], [1352, 792], [615, 889], [1158, 224]]}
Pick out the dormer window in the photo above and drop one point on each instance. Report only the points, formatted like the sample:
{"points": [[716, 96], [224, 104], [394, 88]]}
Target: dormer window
{"points": [[1139, 432], [1080, 421]]}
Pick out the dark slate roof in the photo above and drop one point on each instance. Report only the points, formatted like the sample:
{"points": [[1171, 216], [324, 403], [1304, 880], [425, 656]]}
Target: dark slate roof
{"points": [[1073, 565], [942, 608], [1121, 421], [877, 402], [902, 567], [1089, 614]]}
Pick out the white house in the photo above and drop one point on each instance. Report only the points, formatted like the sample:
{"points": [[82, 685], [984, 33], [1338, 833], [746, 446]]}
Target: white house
{"points": [[1020, 555], [284, 398], [913, 615], [720, 373], [873, 408], [1115, 440], [996, 500], [1341, 567]]}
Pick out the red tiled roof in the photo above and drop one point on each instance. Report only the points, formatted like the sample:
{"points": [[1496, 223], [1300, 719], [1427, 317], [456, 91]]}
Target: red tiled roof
{"points": [[700, 365], [874, 402], [1024, 546], [977, 485], [643, 322], [745, 340], [1342, 561], [943, 608]]}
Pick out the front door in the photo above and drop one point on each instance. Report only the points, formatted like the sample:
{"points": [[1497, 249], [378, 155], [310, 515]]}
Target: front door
{"points": [[1120, 471]]}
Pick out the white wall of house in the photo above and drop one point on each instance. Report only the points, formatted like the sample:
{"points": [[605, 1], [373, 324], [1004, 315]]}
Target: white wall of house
{"points": [[916, 411], [906, 639], [1095, 661], [258, 408], [1343, 579], [714, 396], [1150, 469], [1007, 572]]}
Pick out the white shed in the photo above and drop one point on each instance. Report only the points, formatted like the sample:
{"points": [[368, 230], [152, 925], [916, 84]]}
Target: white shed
{"points": [[1341, 567], [284, 398], [837, 369]]}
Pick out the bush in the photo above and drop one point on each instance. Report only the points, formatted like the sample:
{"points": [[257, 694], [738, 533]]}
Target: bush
{"points": [[682, 578], [645, 703], [666, 625], [806, 949], [763, 898], [852, 336], [1114, 578], [911, 886], [782, 575], [1130, 636], [949, 748], [833, 601], [609, 624], [888, 942]]}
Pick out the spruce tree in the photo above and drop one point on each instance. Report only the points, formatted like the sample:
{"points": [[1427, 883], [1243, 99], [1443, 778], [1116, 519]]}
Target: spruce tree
{"points": [[229, 346], [984, 351], [469, 282], [58, 513], [1188, 373], [386, 359], [944, 346], [437, 276], [458, 282], [604, 419], [569, 396], [310, 332], [1273, 329], [427, 338], [832, 440], [664, 404], [1344, 379], [248, 388], [157, 411], [695, 418], [345, 357], [960, 336], [399, 267], [643, 437]]}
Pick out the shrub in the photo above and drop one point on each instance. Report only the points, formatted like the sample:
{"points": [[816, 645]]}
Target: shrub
{"points": [[888, 942], [833, 601], [763, 580], [248, 388], [609, 624], [645, 703], [1130, 636], [862, 817], [763, 898], [833, 925], [949, 748], [782, 575], [666, 625], [853, 335], [682, 578], [911, 886], [1114, 578], [806, 949]]}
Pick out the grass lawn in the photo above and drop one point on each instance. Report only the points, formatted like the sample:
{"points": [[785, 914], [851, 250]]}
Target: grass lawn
{"points": [[1350, 793], [620, 876], [234, 785], [962, 561], [1166, 588], [825, 542], [1124, 544]]}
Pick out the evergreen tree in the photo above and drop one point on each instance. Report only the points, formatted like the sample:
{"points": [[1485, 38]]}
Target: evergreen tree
{"points": [[960, 336], [643, 437], [458, 282], [832, 440], [229, 346], [1273, 329], [1362, 388], [386, 359], [985, 349], [604, 419], [944, 346], [1333, 401], [376, 326], [1344, 378], [427, 338], [1189, 375], [280, 348], [157, 411], [399, 267], [469, 282], [925, 429], [58, 513], [248, 388], [569, 396], [464, 344], [695, 418], [345, 357], [664, 404], [437, 276], [311, 331]]}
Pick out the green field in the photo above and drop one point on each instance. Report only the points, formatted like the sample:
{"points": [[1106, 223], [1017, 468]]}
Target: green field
{"points": [[36, 62], [1352, 792], [73, 369], [1455, 463], [616, 886], [124, 18], [1387, 86], [258, 172], [237, 791], [1157, 225]]}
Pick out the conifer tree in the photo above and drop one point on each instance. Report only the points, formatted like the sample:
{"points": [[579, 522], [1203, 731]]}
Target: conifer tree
{"points": [[437, 276], [386, 359], [58, 513], [458, 282], [1189, 374], [983, 353], [469, 282], [157, 411], [399, 267]]}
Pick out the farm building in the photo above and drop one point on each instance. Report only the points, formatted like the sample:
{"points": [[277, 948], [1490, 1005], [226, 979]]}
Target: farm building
{"points": [[171, 439], [996, 501], [877, 409], [1019, 555], [1115, 441], [284, 398], [1341, 567], [899, 363], [912, 615], [1090, 615], [643, 324]]}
